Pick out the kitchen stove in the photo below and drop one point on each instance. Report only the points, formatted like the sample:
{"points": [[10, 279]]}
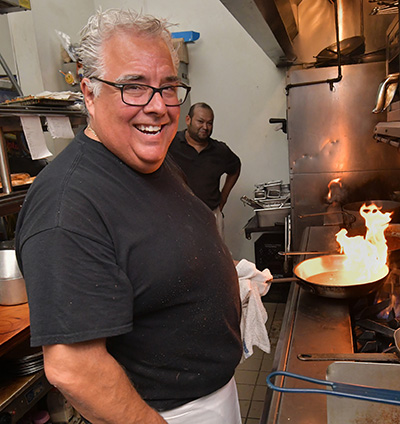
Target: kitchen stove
{"points": [[325, 326]]}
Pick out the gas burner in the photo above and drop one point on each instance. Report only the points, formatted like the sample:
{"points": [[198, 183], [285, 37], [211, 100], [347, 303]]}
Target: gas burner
{"points": [[376, 317]]}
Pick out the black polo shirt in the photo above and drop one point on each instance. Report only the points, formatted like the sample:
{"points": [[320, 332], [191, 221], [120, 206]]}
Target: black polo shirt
{"points": [[204, 170]]}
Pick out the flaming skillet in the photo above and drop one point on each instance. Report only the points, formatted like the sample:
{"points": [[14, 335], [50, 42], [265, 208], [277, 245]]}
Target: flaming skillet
{"points": [[326, 276]]}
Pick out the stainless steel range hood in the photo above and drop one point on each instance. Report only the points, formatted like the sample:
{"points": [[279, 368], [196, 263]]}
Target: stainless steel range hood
{"points": [[264, 23], [295, 31]]}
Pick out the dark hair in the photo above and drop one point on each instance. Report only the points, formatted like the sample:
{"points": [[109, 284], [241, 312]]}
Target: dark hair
{"points": [[196, 105]]}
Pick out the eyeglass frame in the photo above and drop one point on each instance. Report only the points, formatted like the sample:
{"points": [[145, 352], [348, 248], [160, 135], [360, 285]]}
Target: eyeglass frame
{"points": [[121, 85]]}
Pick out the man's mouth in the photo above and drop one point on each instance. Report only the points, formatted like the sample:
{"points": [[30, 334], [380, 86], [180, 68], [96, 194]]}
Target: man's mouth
{"points": [[149, 129]]}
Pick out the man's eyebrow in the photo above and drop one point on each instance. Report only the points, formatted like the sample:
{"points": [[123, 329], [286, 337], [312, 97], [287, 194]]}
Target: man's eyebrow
{"points": [[136, 78], [128, 78], [173, 78]]}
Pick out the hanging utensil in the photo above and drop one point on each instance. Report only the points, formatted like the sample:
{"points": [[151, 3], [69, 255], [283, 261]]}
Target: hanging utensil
{"points": [[385, 8], [251, 202], [390, 93], [353, 391], [381, 96]]}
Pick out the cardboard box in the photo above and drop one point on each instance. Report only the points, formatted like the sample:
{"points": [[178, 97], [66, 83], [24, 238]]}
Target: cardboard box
{"points": [[181, 48]]}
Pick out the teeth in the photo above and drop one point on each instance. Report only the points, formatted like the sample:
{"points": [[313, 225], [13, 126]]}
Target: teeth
{"points": [[149, 129]]}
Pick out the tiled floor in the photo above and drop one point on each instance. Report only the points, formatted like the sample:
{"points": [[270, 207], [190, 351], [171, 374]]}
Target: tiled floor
{"points": [[251, 375]]}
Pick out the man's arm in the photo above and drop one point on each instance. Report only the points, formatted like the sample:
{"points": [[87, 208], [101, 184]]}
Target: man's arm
{"points": [[230, 181], [95, 384]]}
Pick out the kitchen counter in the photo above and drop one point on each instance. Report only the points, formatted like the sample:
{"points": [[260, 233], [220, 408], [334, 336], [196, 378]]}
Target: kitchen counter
{"points": [[14, 326], [312, 324]]}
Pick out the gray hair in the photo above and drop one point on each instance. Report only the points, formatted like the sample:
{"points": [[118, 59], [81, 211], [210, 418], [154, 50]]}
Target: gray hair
{"points": [[102, 25]]}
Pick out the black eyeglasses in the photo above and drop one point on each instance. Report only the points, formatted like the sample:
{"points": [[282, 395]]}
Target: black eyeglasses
{"points": [[141, 94]]}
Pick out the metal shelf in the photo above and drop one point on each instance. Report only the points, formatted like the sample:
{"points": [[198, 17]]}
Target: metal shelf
{"points": [[11, 201], [9, 6]]}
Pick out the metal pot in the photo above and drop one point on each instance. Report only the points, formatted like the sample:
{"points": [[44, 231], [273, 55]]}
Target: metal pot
{"points": [[12, 284], [351, 50], [326, 276]]}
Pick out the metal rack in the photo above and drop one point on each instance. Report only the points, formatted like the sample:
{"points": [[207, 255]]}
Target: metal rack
{"points": [[10, 121]]}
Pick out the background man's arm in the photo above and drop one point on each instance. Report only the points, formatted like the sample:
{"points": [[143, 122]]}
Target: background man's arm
{"points": [[230, 181]]}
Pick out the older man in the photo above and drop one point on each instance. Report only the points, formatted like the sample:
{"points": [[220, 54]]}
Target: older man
{"points": [[134, 300]]}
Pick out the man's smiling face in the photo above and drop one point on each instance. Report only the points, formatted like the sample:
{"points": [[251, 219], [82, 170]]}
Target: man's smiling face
{"points": [[138, 135]]}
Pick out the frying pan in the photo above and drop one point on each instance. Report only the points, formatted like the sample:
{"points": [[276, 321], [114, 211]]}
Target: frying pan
{"points": [[353, 391], [350, 49], [327, 276]]}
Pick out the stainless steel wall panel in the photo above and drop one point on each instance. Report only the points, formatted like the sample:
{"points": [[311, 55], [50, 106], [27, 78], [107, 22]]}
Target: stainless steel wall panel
{"points": [[330, 135], [336, 127]]}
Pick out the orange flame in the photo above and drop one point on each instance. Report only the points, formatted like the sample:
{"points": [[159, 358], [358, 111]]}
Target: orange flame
{"points": [[366, 256], [335, 181]]}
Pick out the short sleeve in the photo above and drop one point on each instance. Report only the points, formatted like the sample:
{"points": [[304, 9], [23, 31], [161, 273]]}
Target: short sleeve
{"points": [[76, 290]]}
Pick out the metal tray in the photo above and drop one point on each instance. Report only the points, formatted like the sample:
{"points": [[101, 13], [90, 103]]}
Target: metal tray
{"points": [[39, 102], [350, 411], [269, 217]]}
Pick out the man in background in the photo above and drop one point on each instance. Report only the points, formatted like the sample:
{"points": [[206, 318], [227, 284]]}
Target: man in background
{"points": [[205, 160]]}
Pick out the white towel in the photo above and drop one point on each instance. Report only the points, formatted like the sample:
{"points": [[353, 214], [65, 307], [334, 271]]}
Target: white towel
{"points": [[253, 284]]}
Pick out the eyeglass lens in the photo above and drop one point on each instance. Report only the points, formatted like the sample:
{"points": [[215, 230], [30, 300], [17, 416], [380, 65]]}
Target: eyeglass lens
{"points": [[135, 94]]}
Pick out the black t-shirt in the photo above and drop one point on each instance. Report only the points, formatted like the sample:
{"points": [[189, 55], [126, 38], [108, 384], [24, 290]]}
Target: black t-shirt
{"points": [[109, 252], [204, 170]]}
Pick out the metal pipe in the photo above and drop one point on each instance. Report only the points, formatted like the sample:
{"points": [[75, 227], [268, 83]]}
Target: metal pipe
{"points": [[329, 81], [4, 167], [10, 75]]}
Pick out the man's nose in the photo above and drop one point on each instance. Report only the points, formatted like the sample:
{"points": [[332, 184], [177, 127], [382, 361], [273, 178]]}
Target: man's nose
{"points": [[156, 103]]}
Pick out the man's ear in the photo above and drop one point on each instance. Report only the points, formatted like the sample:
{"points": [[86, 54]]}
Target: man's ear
{"points": [[188, 120], [88, 95]]}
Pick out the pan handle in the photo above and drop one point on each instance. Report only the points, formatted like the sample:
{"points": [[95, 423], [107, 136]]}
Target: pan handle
{"points": [[284, 280], [308, 253], [307, 287], [356, 357], [350, 216], [353, 391]]}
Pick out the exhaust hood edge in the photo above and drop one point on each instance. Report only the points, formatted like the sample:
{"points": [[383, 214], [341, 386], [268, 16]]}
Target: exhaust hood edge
{"points": [[249, 16]]}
